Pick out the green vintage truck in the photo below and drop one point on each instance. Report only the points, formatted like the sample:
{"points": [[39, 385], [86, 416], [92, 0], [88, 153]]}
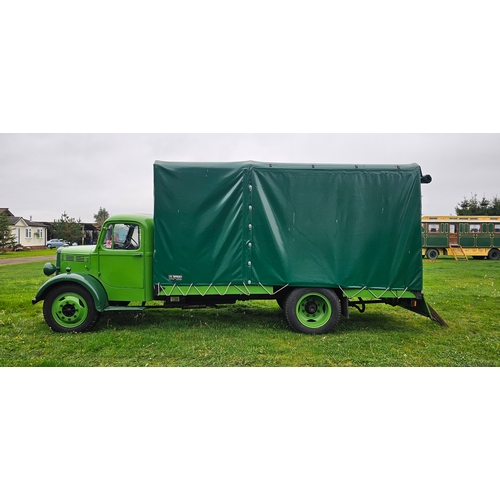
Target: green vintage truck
{"points": [[317, 238]]}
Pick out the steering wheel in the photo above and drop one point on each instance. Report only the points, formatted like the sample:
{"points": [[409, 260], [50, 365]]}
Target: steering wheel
{"points": [[131, 244]]}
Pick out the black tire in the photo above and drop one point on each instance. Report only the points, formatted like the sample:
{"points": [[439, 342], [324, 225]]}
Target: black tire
{"points": [[281, 301], [313, 310], [70, 308], [432, 253], [494, 254]]}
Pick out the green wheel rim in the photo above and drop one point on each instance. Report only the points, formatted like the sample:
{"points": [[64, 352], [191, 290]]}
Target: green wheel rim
{"points": [[69, 310], [313, 310]]}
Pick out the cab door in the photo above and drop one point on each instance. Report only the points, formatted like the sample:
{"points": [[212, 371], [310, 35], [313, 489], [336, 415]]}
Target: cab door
{"points": [[121, 262]]}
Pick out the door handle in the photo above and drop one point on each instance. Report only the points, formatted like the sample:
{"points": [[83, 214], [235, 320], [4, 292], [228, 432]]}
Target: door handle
{"points": [[137, 254]]}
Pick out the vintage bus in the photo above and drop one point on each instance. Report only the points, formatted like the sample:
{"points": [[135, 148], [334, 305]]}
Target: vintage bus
{"points": [[461, 237]]}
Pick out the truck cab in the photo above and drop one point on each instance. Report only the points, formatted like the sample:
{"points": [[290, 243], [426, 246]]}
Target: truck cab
{"points": [[125, 258], [91, 279]]}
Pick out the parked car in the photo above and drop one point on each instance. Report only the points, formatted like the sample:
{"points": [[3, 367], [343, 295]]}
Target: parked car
{"points": [[57, 243]]}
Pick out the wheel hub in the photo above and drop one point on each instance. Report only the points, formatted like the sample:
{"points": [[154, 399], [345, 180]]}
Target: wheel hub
{"points": [[311, 307], [68, 310]]}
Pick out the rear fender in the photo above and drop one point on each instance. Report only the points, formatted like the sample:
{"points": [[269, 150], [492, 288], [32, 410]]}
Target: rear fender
{"points": [[91, 284]]}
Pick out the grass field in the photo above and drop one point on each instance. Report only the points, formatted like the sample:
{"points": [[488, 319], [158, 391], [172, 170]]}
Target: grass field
{"points": [[50, 253], [465, 294]]}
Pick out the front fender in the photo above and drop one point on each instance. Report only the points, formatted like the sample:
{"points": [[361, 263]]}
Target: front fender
{"points": [[91, 284]]}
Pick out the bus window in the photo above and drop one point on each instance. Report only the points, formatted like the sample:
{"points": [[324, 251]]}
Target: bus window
{"points": [[497, 228], [474, 228], [433, 228], [453, 228]]}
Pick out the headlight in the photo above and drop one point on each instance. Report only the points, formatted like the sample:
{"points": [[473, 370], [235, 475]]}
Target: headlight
{"points": [[49, 269]]}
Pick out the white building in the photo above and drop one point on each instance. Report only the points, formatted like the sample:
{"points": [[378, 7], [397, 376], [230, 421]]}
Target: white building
{"points": [[26, 232]]}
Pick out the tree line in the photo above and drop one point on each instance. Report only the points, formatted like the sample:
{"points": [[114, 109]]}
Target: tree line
{"points": [[474, 206], [70, 229]]}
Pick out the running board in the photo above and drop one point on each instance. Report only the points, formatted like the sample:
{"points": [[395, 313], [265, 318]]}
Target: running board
{"points": [[124, 308]]}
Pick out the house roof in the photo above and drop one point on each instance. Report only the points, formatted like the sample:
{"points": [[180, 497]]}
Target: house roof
{"points": [[35, 223], [13, 220]]}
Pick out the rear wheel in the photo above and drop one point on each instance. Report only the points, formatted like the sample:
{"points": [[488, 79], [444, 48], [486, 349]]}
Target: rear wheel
{"points": [[313, 310], [70, 308], [494, 254], [432, 254]]}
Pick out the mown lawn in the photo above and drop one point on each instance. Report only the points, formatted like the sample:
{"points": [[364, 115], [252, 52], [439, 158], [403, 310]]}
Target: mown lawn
{"points": [[465, 294], [49, 252]]}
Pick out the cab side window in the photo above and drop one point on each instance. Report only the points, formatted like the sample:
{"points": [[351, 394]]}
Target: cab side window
{"points": [[122, 237]]}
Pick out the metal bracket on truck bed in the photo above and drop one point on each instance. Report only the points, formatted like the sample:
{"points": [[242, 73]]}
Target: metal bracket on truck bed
{"points": [[416, 304], [420, 306], [435, 316]]}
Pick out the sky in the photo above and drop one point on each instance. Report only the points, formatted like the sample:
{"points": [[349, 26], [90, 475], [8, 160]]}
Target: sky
{"points": [[44, 175]]}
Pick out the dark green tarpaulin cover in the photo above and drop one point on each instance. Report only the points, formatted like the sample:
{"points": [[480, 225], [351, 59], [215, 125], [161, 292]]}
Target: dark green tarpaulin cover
{"points": [[351, 226]]}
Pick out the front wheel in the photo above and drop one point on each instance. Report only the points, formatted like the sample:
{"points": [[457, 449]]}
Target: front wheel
{"points": [[313, 310], [70, 308]]}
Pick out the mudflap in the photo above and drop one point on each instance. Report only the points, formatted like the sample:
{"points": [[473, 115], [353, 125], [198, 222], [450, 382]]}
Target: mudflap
{"points": [[420, 306], [344, 306]]}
